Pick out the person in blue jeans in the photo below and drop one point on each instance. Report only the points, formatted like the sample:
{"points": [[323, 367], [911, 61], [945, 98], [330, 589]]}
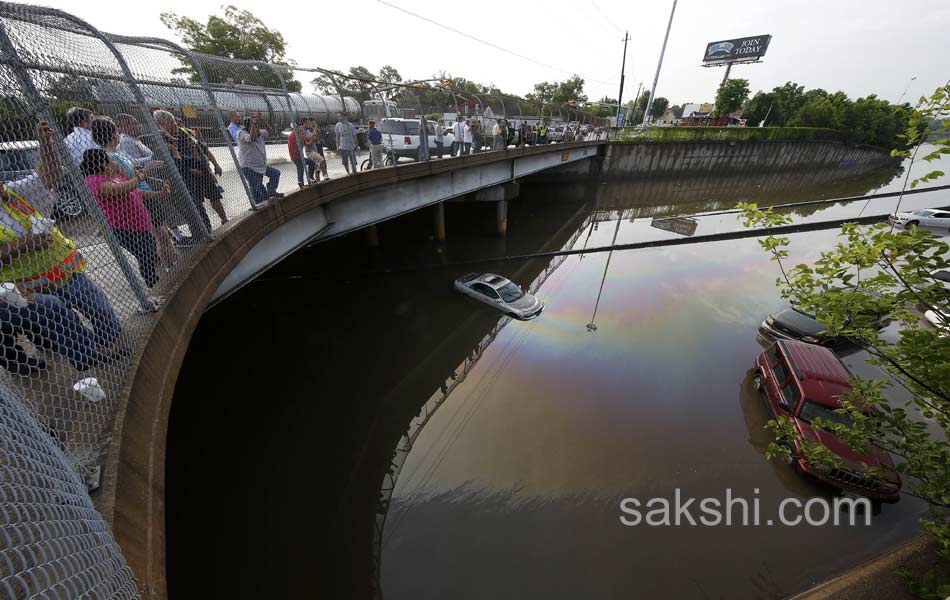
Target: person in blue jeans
{"points": [[423, 138], [49, 323], [252, 154]]}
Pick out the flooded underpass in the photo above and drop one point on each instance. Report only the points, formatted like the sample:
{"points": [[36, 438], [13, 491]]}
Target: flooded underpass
{"points": [[368, 430]]}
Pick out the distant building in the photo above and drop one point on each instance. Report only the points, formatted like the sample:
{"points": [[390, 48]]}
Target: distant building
{"points": [[691, 109]]}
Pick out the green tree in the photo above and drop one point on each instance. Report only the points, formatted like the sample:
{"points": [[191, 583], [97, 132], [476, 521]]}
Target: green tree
{"points": [[659, 107], [898, 266], [605, 107], [759, 108], [568, 90], [390, 74], [236, 34], [542, 94], [638, 106], [730, 97]]}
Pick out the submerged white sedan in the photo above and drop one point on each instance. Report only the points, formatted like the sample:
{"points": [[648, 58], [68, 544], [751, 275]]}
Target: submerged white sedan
{"points": [[932, 218], [500, 293]]}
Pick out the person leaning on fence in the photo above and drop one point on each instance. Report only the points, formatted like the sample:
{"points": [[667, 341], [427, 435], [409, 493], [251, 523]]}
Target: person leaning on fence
{"points": [[375, 146], [106, 134], [252, 154], [79, 138], [300, 161], [43, 277], [120, 199], [346, 142], [129, 143], [193, 164], [313, 146], [234, 124]]}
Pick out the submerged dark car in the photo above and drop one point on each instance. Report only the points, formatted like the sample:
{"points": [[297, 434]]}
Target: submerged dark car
{"points": [[792, 323]]}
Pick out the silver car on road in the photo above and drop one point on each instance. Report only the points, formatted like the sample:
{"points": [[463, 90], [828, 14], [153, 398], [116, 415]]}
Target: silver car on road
{"points": [[500, 293]]}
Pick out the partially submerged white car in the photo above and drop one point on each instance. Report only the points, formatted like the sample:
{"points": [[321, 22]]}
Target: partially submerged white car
{"points": [[500, 293], [931, 218]]}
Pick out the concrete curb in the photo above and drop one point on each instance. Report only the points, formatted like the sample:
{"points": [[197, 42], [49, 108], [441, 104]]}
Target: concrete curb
{"points": [[877, 578]]}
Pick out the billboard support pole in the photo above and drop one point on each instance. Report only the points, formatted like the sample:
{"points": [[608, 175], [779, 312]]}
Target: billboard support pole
{"points": [[646, 113], [726, 76]]}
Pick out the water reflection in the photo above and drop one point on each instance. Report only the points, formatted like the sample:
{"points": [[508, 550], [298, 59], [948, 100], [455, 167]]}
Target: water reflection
{"points": [[568, 422], [522, 437]]}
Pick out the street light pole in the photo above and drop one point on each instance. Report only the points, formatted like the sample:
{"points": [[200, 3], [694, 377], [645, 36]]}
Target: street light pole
{"points": [[906, 88], [646, 113], [623, 67]]}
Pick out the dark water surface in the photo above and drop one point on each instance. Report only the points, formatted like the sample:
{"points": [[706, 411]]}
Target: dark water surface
{"points": [[289, 417]]}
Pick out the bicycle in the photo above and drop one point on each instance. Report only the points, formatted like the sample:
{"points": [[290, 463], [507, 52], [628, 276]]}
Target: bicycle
{"points": [[389, 159]]}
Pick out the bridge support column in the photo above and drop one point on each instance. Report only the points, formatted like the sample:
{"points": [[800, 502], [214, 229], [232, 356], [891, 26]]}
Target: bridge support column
{"points": [[372, 236], [501, 217], [500, 194], [439, 218]]}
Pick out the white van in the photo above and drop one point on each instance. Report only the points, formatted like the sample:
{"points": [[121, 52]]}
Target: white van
{"points": [[401, 137]]}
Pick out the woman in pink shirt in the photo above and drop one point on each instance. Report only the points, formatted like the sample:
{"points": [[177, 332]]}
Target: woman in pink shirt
{"points": [[120, 199]]}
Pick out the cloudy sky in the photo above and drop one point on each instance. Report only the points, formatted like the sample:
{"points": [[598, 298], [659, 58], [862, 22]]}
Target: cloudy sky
{"points": [[858, 46]]}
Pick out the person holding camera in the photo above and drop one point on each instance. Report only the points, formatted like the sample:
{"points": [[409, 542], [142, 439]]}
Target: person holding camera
{"points": [[252, 155]]}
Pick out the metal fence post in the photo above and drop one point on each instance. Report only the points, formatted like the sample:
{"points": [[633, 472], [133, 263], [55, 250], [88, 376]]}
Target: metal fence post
{"points": [[294, 124], [12, 58]]}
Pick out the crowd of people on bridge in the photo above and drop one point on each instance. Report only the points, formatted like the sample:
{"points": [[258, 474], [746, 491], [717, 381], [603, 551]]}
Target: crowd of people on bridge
{"points": [[45, 295]]}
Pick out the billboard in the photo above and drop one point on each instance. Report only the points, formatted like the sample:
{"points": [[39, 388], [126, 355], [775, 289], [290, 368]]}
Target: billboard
{"points": [[679, 225], [745, 49]]}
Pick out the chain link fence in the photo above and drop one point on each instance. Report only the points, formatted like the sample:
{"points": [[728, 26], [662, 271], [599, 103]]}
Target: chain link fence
{"points": [[119, 157]]}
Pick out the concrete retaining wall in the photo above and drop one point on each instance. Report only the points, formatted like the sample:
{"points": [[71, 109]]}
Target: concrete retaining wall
{"points": [[682, 158]]}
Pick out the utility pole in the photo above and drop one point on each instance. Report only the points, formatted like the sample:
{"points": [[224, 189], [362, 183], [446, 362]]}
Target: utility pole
{"points": [[646, 114], [623, 67], [635, 100]]}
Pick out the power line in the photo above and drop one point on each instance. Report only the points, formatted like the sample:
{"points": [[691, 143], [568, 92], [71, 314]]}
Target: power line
{"points": [[606, 18], [489, 44]]}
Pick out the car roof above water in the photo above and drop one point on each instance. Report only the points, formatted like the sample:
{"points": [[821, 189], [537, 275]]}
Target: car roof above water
{"points": [[821, 374]]}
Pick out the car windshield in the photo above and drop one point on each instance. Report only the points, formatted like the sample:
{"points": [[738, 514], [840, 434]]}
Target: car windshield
{"points": [[510, 292], [812, 410], [923, 213]]}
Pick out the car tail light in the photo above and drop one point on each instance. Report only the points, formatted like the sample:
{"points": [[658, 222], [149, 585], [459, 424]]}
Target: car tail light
{"points": [[408, 140]]}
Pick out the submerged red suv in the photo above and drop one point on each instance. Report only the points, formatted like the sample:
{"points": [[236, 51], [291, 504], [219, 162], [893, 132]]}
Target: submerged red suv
{"points": [[804, 381]]}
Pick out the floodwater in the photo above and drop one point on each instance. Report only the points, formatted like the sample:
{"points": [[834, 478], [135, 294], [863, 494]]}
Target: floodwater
{"points": [[348, 371]]}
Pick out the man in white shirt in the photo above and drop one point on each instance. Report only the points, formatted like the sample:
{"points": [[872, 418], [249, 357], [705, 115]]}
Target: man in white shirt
{"points": [[252, 154], [80, 138], [346, 143], [467, 137], [458, 131], [129, 142]]}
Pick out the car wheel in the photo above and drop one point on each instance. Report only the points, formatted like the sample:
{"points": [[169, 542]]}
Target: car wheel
{"points": [[910, 224], [757, 381]]}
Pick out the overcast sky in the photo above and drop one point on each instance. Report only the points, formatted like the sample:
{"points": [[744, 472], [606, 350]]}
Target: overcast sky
{"points": [[858, 46]]}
